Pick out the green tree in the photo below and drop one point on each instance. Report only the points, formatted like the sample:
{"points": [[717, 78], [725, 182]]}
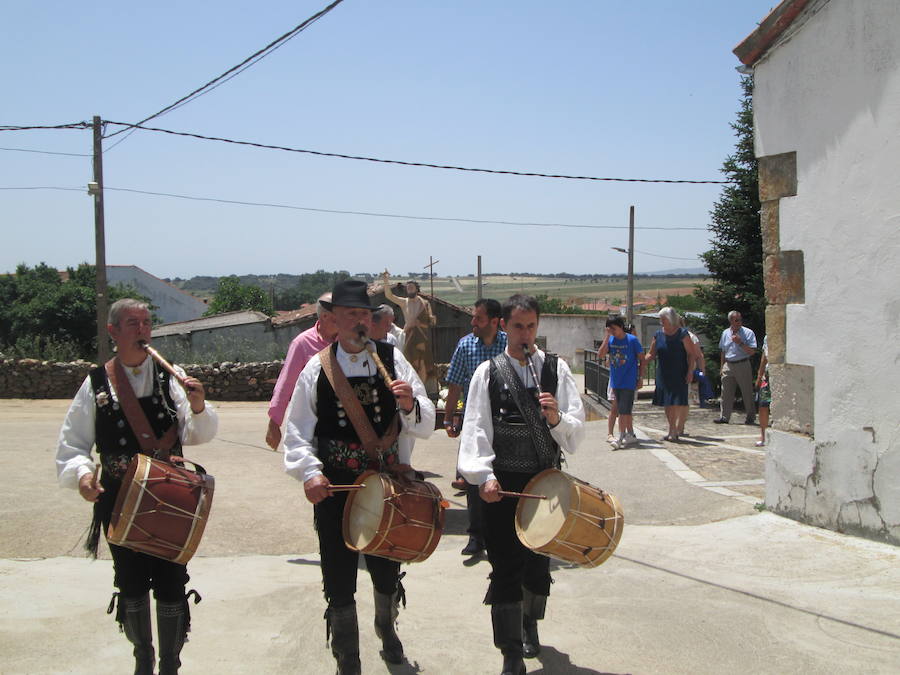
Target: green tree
{"points": [[309, 287], [46, 317], [232, 296], [735, 259]]}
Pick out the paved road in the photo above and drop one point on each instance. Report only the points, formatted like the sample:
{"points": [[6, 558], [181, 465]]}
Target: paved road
{"points": [[701, 582]]}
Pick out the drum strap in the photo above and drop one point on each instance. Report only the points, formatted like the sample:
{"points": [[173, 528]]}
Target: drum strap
{"points": [[358, 418], [540, 438], [137, 420]]}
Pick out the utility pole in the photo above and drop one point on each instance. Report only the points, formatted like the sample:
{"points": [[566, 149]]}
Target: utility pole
{"points": [[96, 190], [631, 265], [629, 312], [479, 279]]}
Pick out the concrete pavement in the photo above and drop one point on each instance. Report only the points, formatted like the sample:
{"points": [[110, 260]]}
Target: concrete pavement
{"points": [[701, 582]]}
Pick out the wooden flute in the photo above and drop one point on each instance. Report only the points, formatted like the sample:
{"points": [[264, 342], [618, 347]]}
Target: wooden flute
{"points": [[164, 364]]}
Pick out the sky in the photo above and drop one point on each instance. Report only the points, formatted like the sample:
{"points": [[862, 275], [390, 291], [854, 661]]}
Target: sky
{"points": [[578, 87]]}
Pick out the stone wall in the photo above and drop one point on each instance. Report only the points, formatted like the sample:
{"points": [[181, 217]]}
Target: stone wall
{"points": [[30, 378]]}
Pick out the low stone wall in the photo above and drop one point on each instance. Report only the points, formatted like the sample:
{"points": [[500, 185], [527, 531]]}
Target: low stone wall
{"points": [[237, 381], [226, 381], [30, 378]]}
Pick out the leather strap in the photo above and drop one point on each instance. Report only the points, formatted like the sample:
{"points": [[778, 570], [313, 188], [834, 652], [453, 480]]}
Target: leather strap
{"points": [[540, 436], [358, 418], [137, 420]]}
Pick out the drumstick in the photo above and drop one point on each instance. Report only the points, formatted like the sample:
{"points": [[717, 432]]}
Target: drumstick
{"points": [[346, 488], [523, 495]]}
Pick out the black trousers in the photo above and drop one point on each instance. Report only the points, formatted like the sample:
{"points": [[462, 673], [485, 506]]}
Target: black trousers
{"points": [[339, 563], [474, 504], [138, 573], [513, 566]]}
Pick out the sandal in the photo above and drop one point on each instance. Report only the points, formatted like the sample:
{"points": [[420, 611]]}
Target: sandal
{"points": [[667, 437]]}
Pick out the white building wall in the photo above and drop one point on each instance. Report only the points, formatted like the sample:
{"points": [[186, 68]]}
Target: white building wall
{"points": [[172, 303], [568, 333], [831, 92]]}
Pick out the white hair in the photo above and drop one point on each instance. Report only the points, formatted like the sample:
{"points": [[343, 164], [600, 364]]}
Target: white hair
{"points": [[320, 309], [733, 313], [382, 311], [124, 305], [670, 315]]}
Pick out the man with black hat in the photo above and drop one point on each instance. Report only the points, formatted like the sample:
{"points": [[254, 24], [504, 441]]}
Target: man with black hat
{"points": [[323, 448]]}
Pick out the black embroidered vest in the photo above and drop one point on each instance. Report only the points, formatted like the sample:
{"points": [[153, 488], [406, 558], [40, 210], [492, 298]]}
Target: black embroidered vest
{"points": [[115, 440], [513, 446], [337, 443]]}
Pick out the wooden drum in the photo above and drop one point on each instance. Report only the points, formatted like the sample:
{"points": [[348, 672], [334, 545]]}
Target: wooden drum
{"points": [[577, 522], [161, 508], [400, 520]]}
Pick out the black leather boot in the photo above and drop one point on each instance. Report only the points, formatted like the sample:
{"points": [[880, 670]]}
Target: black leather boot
{"points": [[134, 615], [344, 630], [533, 608], [507, 622], [172, 626], [387, 607]]}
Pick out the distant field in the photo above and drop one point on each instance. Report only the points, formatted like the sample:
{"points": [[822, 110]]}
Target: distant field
{"points": [[572, 291]]}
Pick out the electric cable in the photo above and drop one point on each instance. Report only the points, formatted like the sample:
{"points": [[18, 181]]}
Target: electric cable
{"points": [[254, 58], [377, 214], [318, 153], [48, 152]]}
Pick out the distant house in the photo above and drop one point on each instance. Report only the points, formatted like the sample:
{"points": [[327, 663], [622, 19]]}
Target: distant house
{"points": [[253, 336], [826, 105], [172, 304]]}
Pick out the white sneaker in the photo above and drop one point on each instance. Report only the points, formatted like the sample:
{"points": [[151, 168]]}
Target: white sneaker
{"points": [[630, 440], [611, 440]]}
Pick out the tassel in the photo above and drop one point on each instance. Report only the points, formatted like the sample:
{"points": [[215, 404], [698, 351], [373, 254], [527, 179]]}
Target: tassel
{"points": [[401, 592], [92, 544], [120, 612]]}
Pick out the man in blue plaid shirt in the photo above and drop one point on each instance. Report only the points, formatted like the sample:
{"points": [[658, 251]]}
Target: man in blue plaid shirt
{"points": [[484, 342]]}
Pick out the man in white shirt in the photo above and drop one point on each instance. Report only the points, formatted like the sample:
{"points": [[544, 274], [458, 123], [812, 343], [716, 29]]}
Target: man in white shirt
{"points": [[738, 345], [514, 428], [176, 416], [323, 448]]}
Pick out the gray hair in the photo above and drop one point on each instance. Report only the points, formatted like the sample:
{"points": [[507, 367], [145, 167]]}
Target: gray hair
{"points": [[382, 311], [320, 309], [733, 313], [670, 315], [124, 305]]}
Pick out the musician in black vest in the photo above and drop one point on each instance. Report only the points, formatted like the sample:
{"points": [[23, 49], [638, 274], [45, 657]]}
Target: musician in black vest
{"points": [[515, 427], [97, 417], [323, 448]]}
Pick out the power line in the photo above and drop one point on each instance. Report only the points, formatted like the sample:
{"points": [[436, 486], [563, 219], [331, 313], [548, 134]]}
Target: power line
{"points": [[46, 187], [71, 125], [47, 152], [375, 214], [254, 58], [406, 163], [669, 257]]}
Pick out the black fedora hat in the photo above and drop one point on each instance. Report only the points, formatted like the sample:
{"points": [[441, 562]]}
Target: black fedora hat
{"points": [[349, 293]]}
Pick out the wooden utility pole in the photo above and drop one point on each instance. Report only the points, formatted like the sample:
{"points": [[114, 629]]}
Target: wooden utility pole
{"points": [[96, 189], [630, 314], [479, 278]]}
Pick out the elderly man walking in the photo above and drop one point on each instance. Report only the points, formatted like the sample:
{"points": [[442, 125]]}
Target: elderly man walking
{"points": [[737, 344]]}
